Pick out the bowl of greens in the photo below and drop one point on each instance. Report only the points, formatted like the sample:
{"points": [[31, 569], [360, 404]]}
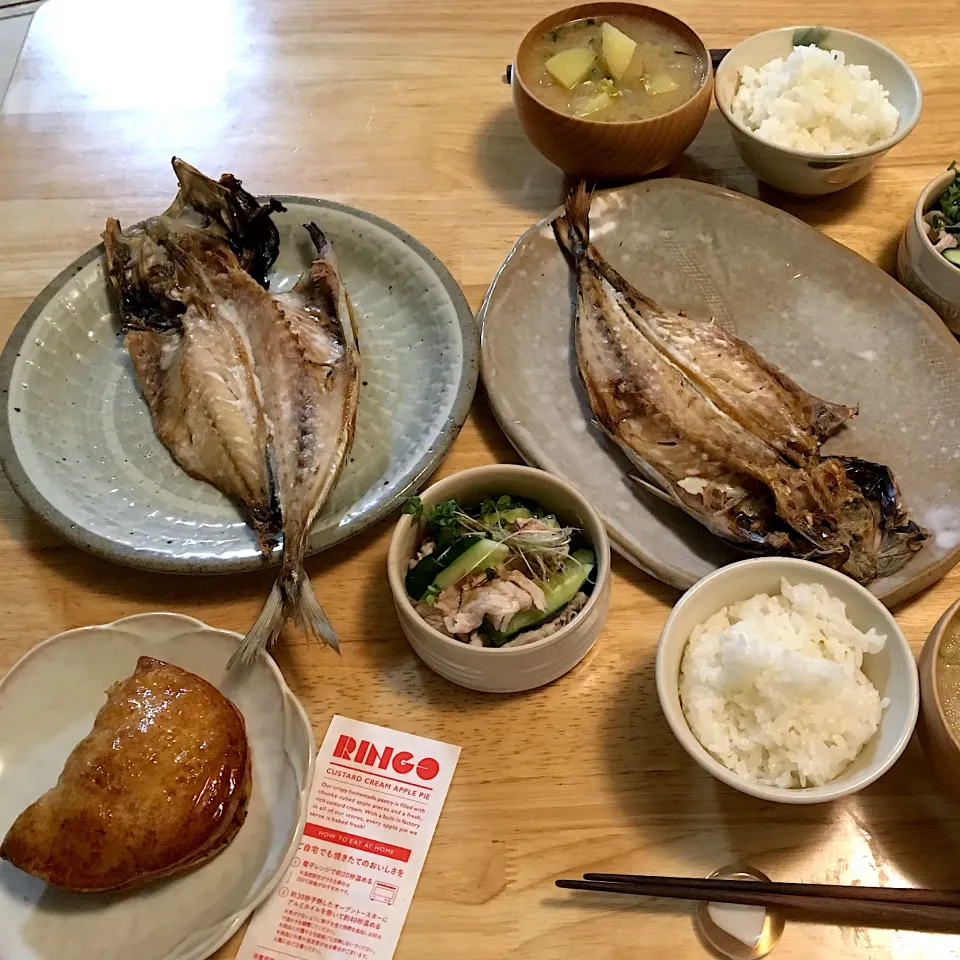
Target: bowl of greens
{"points": [[501, 577], [928, 261]]}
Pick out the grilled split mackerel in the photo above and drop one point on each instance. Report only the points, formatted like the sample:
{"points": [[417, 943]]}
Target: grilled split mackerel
{"points": [[715, 429], [252, 392]]}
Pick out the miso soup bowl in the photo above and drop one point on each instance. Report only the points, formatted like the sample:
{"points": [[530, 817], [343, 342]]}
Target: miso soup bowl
{"points": [[940, 743], [506, 669], [892, 670], [800, 171], [597, 149]]}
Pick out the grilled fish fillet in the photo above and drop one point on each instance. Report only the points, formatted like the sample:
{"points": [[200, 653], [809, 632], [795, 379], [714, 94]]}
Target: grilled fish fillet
{"points": [[200, 385], [304, 349], [192, 362], [744, 385], [161, 784], [717, 430], [251, 392]]}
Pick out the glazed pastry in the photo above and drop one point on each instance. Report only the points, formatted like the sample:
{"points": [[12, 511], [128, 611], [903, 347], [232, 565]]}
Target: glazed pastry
{"points": [[160, 785]]}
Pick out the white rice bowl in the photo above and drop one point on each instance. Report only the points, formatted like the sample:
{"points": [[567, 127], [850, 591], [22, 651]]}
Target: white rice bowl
{"points": [[773, 687], [813, 100]]}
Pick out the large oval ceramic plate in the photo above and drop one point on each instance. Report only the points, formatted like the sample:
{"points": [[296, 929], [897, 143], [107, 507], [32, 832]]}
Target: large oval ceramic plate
{"points": [[839, 325], [47, 705], [78, 446]]}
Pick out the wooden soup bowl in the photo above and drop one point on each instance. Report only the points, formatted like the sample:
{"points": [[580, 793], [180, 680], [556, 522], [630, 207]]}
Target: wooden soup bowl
{"points": [[600, 150], [940, 743]]}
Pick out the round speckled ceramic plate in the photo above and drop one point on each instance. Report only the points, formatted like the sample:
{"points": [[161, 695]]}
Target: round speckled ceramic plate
{"points": [[78, 446], [48, 702], [839, 325]]}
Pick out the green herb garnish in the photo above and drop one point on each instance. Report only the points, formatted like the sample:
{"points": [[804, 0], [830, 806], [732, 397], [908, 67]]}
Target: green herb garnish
{"points": [[443, 523], [950, 198], [495, 506], [413, 507]]}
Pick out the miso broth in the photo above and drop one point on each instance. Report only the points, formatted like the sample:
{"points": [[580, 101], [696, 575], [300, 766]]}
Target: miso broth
{"points": [[662, 72]]}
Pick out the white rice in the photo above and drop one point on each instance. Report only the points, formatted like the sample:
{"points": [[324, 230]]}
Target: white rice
{"points": [[772, 687], [813, 100]]}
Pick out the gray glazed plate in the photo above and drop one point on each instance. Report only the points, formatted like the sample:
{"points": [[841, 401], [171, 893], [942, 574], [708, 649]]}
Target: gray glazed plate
{"points": [[48, 702], [78, 446], [839, 325]]}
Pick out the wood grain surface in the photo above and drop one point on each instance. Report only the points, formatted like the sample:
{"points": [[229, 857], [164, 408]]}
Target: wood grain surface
{"points": [[398, 107]]}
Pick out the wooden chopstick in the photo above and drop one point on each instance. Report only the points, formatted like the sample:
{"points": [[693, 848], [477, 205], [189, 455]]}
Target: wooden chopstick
{"points": [[920, 897], [864, 912]]}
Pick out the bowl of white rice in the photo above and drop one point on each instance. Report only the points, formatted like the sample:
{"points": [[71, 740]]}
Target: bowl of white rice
{"points": [[812, 109], [787, 680]]}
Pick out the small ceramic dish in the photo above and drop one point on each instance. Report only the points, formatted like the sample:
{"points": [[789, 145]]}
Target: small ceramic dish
{"points": [[800, 171], [48, 702], [892, 671], [940, 743], [506, 669], [921, 269], [597, 149]]}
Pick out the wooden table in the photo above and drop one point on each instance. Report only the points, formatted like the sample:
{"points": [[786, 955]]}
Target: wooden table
{"points": [[397, 107]]}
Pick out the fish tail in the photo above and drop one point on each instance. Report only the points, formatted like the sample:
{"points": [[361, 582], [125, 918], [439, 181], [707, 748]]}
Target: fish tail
{"points": [[572, 228], [304, 607], [264, 632], [290, 598], [577, 207]]}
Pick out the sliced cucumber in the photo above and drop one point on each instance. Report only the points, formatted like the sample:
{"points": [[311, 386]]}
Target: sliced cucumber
{"points": [[952, 255], [514, 514], [426, 571], [483, 554], [558, 591]]}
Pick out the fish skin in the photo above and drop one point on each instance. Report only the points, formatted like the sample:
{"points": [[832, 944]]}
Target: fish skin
{"points": [[686, 402], [898, 534]]}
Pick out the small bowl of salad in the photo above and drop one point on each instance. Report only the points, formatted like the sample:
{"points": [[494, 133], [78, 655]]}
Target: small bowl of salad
{"points": [[928, 261], [501, 577]]}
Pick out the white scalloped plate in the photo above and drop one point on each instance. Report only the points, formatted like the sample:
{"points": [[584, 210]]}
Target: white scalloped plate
{"points": [[47, 705], [78, 446]]}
